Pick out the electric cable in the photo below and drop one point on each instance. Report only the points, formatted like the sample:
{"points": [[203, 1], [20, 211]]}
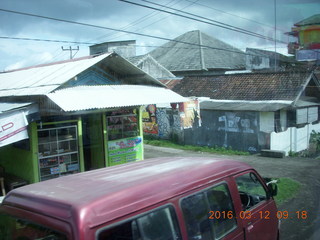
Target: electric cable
{"points": [[210, 23], [114, 29]]}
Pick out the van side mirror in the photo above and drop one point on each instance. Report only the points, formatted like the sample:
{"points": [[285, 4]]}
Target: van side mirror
{"points": [[273, 189], [272, 186]]}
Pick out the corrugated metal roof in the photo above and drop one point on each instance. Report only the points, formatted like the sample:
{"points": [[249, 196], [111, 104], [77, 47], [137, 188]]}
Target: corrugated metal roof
{"points": [[234, 105], [176, 55], [5, 107], [109, 96], [43, 79]]}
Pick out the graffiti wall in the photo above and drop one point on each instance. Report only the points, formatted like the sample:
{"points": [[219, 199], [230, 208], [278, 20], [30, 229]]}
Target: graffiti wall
{"points": [[161, 122], [236, 130], [189, 114], [149, 120]]}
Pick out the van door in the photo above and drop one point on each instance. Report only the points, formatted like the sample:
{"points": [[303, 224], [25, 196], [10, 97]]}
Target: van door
{"points": [[259, 211], [209, 214]]}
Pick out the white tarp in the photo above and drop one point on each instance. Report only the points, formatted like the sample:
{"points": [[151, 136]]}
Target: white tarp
{"points": [[13, 127]]}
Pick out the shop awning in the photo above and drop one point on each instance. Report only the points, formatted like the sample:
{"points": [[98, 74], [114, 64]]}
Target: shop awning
{"points": [[13, 121], [110, 96]]}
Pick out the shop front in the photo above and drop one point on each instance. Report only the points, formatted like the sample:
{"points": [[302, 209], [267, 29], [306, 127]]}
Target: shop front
{"points": [[88, 116]]}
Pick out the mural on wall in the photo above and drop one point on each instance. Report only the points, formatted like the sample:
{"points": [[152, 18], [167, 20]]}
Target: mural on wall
{"points": [[190, 114], [238, 130], [234, 123], [163, 119], [161, 122], [149, 120]]}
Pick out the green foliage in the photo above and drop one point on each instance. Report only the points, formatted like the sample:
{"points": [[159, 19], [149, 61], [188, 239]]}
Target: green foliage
{"points": [[214, 149], [315, 138], [293, 154], [287, 189]]}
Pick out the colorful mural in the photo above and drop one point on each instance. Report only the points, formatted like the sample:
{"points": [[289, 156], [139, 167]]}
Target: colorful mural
{"points": [[149, 120], [189, 113]]}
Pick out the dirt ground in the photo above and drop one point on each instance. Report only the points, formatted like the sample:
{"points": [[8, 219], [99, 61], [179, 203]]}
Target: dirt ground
{"points": [[304, 170]]}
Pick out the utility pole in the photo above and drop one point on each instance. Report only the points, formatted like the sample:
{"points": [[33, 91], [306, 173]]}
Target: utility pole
{"points": [[275, 35], [71, 49]]}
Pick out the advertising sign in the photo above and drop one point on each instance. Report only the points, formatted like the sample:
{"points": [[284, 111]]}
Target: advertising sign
{"points": [[13, 127], [124, 150]]}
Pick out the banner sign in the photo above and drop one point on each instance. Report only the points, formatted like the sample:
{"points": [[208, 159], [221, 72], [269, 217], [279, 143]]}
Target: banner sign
{"points": [[308, 55], [125, 150], [13, 127]]}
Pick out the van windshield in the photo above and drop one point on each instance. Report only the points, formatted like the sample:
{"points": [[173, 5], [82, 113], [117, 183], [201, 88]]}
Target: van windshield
{"points": [[12, 228]]}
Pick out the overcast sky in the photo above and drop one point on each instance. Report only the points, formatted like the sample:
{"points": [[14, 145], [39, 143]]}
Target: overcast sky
{"points": [[253, 15]]}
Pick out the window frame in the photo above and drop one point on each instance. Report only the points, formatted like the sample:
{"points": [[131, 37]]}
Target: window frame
{"points": [[206, 189], [170, 206], [262, 184]]}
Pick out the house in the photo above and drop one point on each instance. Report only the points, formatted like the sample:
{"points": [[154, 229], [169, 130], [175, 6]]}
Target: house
{"points": [[196, 53], [258, 60], [71, 116], [127, 50], [253, 111], [149, 65], [307, 44]]}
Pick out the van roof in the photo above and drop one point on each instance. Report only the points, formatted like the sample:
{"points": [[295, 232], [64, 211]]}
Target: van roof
{"points": [[105, 194]]}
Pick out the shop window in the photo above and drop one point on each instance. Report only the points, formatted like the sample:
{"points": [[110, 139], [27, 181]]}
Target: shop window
{"points": [[122, 124], [58, 151], [159, 224], [209, 214]]}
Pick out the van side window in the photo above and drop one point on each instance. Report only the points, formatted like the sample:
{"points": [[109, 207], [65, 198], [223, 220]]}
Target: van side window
{"points": [[206, 213], [251, 190], [160, 224]]}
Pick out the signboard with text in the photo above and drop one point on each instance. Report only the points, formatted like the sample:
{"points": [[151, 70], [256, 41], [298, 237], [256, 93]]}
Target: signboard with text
{"points": [[124, 150], [13, 127]]}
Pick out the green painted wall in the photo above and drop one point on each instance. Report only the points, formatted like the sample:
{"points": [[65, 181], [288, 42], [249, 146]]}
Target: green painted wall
{"points": [[22, 162], [96, 141]]}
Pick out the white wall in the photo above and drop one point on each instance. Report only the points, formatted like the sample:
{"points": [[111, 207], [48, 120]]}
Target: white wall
{"points": [[293, 139]]}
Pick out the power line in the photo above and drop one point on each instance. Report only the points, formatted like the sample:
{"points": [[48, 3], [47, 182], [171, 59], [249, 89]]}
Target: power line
{"points": [[117, 30], [221, 24], [114, 29], [141, 20], [234, 15], [43, 40], [199, 19]]}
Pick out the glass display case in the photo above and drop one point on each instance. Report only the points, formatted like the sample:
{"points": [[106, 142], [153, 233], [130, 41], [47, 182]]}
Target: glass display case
{"points": [[122, 125], [58, 151]]}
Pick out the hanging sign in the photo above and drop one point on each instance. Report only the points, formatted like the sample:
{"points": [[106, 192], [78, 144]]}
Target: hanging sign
{"points": [[13, 127]]}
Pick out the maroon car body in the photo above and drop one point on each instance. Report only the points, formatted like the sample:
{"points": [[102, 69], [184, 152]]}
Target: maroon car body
{"points": [[135, 200]]}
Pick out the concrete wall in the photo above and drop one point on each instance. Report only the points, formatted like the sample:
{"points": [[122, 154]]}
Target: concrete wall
{"points": [[293, 139]]}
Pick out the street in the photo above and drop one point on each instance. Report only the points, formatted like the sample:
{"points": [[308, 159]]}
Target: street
{"points": [[304, 170]]}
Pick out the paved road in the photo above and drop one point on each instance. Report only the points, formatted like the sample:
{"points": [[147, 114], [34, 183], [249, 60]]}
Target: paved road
{"points": [[304, 170]]}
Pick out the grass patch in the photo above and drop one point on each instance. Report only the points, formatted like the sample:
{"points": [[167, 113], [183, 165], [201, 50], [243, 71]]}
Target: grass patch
{"points": [[219, 150], [287, 189]]}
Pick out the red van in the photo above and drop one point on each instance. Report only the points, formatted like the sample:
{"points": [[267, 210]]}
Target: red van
{"points": [[162, 198]]}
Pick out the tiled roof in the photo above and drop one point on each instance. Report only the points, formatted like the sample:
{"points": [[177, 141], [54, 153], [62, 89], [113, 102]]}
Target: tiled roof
{"points": [[252, 86], [170, 83], [205, 52]]}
